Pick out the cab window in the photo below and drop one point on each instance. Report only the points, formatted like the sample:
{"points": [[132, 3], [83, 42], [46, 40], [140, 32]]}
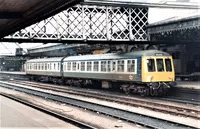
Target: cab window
{"points": [[151, 65], [160, 65], [168, 65]]}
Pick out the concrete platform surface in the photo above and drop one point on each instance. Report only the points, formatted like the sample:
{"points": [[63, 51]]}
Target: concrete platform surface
{"points": [[14, 72], [16, 115], [188, 84]]}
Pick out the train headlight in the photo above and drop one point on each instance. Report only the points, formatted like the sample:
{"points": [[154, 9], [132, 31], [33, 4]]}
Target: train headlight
{"points": [[149, 78]]}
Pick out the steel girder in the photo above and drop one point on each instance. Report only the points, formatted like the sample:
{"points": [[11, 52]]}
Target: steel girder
{"points": [[88, 22]]}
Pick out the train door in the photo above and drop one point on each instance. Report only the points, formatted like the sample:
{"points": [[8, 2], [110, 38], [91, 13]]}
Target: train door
{"points": [[78, 66]]}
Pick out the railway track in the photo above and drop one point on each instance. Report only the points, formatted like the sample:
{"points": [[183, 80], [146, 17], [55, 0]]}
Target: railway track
{"points": [[52, 113], [143, 120], [178, 95], [178, 110]]}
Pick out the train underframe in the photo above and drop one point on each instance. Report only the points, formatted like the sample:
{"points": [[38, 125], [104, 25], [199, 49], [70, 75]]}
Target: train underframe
{"points": [[144, 89]]}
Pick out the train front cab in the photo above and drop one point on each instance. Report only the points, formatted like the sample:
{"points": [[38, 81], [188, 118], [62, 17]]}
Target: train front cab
{"points": [[158, 73]]}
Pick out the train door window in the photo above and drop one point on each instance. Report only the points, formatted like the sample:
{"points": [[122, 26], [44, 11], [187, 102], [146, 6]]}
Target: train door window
{"points": [[36, 66], [48, 66], [78, 66], [54, 66], [74, 66], [96, 66], [160, 65], [168, 65], [151, 65], [108, 66], [42, 66], [89, 66], [82, 66], [120, 66], [58, 66], [66, 66], [131, 65], [113, 65]]}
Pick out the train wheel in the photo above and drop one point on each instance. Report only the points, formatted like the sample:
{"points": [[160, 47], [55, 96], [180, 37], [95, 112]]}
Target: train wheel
{"points": [[145, 92], [161, 91], [153, 92], [127, 91]]}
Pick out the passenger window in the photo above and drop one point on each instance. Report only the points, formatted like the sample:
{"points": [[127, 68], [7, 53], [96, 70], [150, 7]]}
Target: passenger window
{"points": [[103, 66], [74, 66], [113, 65], [131, 65], [160, 65], [58, 66], [151, 65], [82, 66], [69, 66], [168, 65], [96, 66], [109, 66], [120, 67], [89, 66]]}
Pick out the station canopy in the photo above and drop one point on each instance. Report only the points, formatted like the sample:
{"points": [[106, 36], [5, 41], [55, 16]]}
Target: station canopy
{"points": [[18, 14]]}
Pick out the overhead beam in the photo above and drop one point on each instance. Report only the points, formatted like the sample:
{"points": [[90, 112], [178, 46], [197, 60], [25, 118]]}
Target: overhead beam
{"points": [[11, 15], [168, 42], [138, 4]]}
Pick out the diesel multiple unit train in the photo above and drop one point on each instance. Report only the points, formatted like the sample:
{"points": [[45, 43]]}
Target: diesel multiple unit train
{"points": [[149, 72]]}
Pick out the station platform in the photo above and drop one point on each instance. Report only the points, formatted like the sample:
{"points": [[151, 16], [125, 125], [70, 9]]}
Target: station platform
{"points": [[182, 84], [14, 73], [16, 115]]}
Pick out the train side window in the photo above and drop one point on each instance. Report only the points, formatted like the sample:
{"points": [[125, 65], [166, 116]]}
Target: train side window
{"points": [[113, 65], [120, 66], [103, 66], [131, 65], [82, 66], [168, 65], [89, 66], [74, 66], [151, 65], [69, 66], [109, 66], [160, 65], [96, 66]]}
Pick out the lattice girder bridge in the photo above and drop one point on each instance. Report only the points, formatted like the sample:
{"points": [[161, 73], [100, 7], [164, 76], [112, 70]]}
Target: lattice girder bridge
{"points": [[88, 22]]}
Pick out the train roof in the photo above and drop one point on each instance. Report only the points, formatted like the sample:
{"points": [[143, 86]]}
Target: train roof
{"points": [[103, 56], [54, 59], [118, 55]]}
